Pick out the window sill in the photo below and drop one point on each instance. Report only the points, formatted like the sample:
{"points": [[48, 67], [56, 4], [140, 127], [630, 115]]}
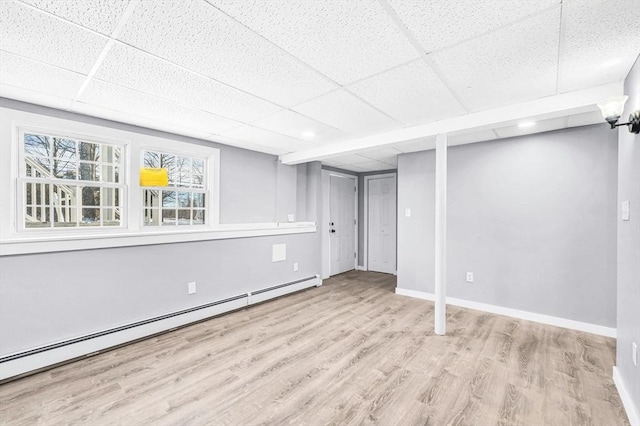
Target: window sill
{"points": [[126, 239]]}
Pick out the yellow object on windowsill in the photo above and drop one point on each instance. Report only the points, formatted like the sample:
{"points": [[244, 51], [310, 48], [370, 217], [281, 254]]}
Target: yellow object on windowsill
{"points": [[154, 177]]}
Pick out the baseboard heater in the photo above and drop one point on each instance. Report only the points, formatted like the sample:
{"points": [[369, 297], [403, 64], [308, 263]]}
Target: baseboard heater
{"points": [[36, 359]]}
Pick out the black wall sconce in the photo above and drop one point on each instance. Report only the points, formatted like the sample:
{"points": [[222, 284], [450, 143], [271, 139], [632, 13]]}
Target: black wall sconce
{"points": [[612, 108]]}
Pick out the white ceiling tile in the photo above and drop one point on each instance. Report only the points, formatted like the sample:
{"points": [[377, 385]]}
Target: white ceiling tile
{"points": [[99, 15], [350, 159], [586, 119], [412, 94], [341, 39], [386, 155], [259, 136], [27, 74], [132, 68], [246, 145], [374, 166], [298, 126], [129, 101], [513, 64], [602, 41], [344, 111], [420, 144], [32, 34], [540, 126], [333, 163], [440, 23], [462, 138], [199, 37], [137, 120]]}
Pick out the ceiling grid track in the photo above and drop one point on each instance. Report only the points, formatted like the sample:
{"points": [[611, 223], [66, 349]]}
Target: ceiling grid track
{"points": [[425, 55], [561, 41], [330, 80], [114, 35]]}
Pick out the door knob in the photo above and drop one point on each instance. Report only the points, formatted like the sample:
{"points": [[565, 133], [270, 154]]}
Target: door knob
{"points": [[333, 230]]}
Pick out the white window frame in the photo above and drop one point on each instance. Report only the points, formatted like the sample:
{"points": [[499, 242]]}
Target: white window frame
{"points": [[21, 180], [211, 184], [13, 241]]}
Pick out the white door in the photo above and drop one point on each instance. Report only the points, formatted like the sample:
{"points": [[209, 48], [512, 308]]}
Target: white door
{"points": [[342, 223], [381, 221]]}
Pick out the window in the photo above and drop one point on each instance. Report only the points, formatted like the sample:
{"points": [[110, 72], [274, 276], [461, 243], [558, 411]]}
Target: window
{"points": [[183, 202], [68, 182]]}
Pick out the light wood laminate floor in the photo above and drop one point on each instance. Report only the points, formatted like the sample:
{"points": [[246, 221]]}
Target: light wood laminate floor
{"points": [[349, 352]]}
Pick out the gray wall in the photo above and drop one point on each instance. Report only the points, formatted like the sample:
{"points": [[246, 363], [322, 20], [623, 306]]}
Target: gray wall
{"points": [[48, 297], [629, 243], [532, 217], [416, 234]]}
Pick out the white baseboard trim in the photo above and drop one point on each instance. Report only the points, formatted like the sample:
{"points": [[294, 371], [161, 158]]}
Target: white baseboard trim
{"points": [[416, 294], [516, 313], [39, 358], [360, 268], [632, 410]]}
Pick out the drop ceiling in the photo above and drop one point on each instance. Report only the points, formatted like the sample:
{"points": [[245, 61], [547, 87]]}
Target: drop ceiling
{"points": [[294, 76]]}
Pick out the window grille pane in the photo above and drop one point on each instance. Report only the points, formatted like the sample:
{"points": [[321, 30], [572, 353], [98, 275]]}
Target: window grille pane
{"points": [[63, 169], [38, 167], [184, 199], [110, 217], [90, 172], [90, 196], [168, 217], [110, 174], [168, 199], [198, 181], [37, 145], [64, 149], [89, 151], [184, 217], [90, 217], [198, 217], [151, 159], [110, 197], [151, 198], [198, 167], [65, 205], [198, 199]]}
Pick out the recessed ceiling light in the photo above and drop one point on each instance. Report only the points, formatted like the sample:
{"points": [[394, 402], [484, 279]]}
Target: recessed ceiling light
{"points": [[526, 124], [308, 134]]}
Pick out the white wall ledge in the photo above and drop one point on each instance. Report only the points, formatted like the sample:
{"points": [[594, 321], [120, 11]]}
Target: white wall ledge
{"points": [[56, 243]]}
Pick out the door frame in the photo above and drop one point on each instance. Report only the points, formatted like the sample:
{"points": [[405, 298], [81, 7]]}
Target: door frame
{"points": [[365, 216], [326, 217]]}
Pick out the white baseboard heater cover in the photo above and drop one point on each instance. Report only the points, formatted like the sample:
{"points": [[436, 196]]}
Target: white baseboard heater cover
{"points": [[24, 362]]}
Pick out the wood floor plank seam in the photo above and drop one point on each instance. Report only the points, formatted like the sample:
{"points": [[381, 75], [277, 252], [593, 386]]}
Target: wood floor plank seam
{"points": [[347, 352]]}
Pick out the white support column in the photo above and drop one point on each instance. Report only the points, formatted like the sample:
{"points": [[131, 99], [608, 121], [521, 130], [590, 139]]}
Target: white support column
{"points": [[441, 235]]}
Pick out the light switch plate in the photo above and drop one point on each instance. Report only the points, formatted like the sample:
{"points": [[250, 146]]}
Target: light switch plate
{"points": [[626, 210], [407, 212]]}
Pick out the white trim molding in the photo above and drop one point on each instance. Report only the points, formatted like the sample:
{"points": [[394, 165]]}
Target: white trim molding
{"points": [[631, 407], [155, 236], [17, 364], [554, 106], [365, 215], [516, 313]]}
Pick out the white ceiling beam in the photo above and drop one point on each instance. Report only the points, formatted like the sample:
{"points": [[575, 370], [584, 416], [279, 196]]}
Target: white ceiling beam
{"points": [[540, 109]]}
